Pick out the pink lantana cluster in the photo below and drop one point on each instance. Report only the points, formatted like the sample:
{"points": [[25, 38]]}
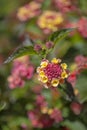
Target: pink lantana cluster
{"points": [[76, 108], [29, 11], [82, 26], [81, 62], [43, 116], [70, 24], [72, 78], [21, 71], [56, 115], [79, 66], [53, 73], [65, 5]]}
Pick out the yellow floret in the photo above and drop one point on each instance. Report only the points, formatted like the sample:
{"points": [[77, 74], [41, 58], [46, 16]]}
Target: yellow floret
{"points": [[44, 64], [44, 110], [76, 92], [44, 79], [55, 82], [41, 74], [50, 111], [64, 75], [64, 65], [58, 20], [42, 24], [56, 61], [34, 5], [22, 11], [38, 69]]}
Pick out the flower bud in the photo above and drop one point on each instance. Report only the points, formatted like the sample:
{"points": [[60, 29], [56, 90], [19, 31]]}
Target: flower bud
{"points": [[49, 44], [37, 48]]}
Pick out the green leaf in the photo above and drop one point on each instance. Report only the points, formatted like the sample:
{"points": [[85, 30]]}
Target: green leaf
{"points": [[77, 125], [2, 105], [18, 121], [21, 51], [69, 90], [59, 35], [81, 85], [46, 4], [65, 112], [42, 54], [27, 48]]}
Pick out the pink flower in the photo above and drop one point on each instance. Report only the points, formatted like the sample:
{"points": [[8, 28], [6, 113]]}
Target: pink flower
{"points": [[37, 48], [49, 44], [33, 116], [72, 78], [56, 115], [15, 81], [81, 64], [80, 60], [76, 107], [21, 71], [70, 24], [46, 121], [53, 73], [29, 73], [39, 100], [40, 120], [82, 26], [42, 116], [29, 11], [65, 5], [24, 126]]}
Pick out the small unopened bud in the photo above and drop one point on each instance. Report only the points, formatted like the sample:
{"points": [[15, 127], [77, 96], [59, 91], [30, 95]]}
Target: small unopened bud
{"points": [[37, 48], [49, 44]]}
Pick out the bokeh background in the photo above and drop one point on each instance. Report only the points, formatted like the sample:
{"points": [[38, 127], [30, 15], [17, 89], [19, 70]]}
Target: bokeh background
{"points": [[24, 103]]}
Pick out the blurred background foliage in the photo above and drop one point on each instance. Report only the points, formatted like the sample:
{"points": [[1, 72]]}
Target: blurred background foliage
{"points": [[15, 103]]}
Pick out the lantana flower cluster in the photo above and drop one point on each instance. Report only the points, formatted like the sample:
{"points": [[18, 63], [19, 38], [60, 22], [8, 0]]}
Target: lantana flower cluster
{"points": [[50, 21], [29, 11], [53, 73], [43, 116], [21, 71], [82, 26], [65, 5], [77, 68], [76, 108]]}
